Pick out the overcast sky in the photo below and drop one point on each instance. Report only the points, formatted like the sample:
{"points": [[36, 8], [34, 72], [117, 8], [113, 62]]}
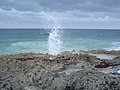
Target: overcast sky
{"points": [[69, 13]]}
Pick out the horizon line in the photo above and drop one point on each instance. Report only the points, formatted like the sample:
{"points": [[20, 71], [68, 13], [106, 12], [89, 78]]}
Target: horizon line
{"points": [[63, 28]]}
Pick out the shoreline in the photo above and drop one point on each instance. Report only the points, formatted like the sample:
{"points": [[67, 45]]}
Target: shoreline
{"points": [[96, 51], [38, 71]]}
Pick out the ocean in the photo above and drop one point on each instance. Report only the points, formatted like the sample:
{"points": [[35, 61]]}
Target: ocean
{"points": [[14, 41]]}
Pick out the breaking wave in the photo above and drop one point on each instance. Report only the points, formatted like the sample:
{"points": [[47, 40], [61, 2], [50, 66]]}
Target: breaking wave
{"points": [[114, 46]]}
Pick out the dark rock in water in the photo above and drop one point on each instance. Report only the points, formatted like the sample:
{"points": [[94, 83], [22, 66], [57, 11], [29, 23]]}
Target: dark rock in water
{"points": [[117, 58], [63, 72], [102, 65], [44, 33]]}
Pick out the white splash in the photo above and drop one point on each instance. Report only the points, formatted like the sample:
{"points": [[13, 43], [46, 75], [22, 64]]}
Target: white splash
{"points": [[114, 46], [54, 39]]}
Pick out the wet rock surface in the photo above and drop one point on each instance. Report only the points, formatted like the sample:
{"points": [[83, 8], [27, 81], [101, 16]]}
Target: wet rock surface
{"points": [[113, 52], [68, 71]]}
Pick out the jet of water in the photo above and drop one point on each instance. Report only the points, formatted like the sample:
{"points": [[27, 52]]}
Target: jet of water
{"points": [[54, 39]]}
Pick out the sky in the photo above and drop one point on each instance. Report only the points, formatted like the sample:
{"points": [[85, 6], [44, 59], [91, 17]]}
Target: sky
{"points": [[83, 14]]}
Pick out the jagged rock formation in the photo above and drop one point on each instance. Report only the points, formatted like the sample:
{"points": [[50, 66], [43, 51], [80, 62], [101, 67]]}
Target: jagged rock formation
{"points": [[45, 72]]}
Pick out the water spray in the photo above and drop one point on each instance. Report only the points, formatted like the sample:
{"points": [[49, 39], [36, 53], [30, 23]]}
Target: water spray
{"points": [[54, 39]]}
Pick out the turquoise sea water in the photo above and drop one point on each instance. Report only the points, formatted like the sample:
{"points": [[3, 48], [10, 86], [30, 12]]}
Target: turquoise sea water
{"points": [[36, 40]]}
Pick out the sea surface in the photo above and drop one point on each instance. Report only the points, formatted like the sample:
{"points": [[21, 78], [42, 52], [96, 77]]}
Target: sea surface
{"points": [[14, 41]]}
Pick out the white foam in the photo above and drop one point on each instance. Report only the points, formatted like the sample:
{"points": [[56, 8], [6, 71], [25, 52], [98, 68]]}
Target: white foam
{"points": [[114, 46], [27, 46], [104, 56]]}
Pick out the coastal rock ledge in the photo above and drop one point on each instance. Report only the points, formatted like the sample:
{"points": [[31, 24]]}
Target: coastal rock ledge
{"points": [[67, 71]]}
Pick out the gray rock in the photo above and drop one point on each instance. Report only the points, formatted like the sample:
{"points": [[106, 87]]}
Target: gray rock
{"points": [[40, 73]]}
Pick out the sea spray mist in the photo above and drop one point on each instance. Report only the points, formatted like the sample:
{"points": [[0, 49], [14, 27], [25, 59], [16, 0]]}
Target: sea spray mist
{"points": [[54, 39]]}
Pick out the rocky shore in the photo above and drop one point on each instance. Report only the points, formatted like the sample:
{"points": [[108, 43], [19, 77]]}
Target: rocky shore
{"points": [[67, 71]]}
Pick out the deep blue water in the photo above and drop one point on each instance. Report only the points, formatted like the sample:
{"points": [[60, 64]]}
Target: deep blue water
{"points": [[36, 40]]}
